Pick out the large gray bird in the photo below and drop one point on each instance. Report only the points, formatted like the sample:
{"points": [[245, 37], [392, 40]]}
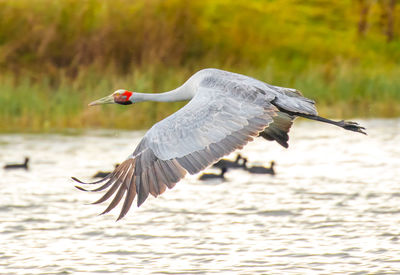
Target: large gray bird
{"points": [[225, 111]]}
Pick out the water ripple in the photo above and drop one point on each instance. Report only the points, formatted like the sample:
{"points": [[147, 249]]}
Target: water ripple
{"points": [[329, 210]]}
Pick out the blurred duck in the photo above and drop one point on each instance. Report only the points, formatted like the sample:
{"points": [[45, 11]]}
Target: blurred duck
{"points": [[102, 174], [18, 166], [229, 164], [260, 169], [214, 176]]}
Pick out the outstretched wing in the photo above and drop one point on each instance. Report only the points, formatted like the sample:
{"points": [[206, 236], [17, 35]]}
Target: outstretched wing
{"points": [[220, 118]]}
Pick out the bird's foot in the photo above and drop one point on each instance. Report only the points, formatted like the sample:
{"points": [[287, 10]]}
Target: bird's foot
{"points": [[352, 126]]}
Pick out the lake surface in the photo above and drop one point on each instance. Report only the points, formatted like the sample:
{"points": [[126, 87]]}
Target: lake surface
{"points": [[333, 207]]}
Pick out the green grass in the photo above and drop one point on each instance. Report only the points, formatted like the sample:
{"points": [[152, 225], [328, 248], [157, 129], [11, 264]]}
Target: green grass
{"points": [[57, 56], [37, 106]]}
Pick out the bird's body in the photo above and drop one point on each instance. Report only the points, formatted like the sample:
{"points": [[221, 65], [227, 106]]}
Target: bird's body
{"points": [[210, 176], [18, 166], [226, 110], [260, 169]]}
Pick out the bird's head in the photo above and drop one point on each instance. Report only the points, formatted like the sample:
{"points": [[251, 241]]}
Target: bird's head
{"points": [[120, 96]]}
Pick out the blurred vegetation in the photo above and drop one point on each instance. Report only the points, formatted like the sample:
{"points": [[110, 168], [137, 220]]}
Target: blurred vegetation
{"points": [[57, 56]]}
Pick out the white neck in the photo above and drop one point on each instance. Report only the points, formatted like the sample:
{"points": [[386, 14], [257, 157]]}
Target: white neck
{"points": [[179, 94]]}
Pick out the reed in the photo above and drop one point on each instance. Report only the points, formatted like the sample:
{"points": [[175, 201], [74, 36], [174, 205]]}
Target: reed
{"points": [[36, 106]]}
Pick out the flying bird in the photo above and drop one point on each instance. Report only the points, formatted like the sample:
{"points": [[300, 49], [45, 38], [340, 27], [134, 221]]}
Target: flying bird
{"points": [[225, 111]]}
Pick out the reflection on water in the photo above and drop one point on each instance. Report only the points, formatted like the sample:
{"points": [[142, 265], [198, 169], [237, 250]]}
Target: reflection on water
{"points": [[334, 206]]}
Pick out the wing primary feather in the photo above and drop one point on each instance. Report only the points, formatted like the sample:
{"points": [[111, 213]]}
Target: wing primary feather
{"points": [[185, 163], [172, 167], [160, 174], [111, 191], [201, 159], [129, 175], [138, 165], [250, 130], [153, 186], [130, 196], [168, 174], [143, 191], [208, 156], [217, 150], [82, 189], [93, 182], [178, 170], [159, 181], [257, 122], [116, 200], [233, 139], [197, 161], [197, 166], [107, 184], [228, 145], [104, 186], [112, 174], [241, 136]]}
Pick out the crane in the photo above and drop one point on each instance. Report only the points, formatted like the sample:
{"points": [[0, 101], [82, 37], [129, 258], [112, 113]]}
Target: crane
{"points": [[225, 111]]}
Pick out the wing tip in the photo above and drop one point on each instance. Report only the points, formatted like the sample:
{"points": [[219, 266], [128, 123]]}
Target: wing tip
{"points": [[121, 215], [140, 200], [93, 182], [82, 189], [77, 180]]}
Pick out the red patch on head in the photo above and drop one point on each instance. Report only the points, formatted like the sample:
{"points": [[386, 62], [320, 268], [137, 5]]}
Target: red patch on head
{"points": [[127, 94], [123, 98]]}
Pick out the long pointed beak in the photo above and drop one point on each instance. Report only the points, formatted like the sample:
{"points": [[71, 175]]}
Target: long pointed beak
{"points": [[105, 100]]}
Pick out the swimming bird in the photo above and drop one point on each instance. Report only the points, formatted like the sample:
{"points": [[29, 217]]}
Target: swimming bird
{"points": [[102, 174], [210, 176], [228, 163], [18, 166], [225, 111], [260, 169]]}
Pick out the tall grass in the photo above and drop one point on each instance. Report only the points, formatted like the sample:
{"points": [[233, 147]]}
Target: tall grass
{"points": [[36, 106], [49, 35], [56, 56]]}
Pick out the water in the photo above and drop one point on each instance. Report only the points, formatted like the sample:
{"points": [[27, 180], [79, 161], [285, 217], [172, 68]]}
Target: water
{"points": [[333, 207]]}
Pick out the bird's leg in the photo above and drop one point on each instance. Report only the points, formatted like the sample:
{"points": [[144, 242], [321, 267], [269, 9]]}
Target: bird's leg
{"points": [[348, 125]]}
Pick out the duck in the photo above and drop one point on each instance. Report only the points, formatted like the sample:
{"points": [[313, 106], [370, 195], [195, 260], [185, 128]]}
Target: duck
{"points": [[230, 164], [102, 174], [260, 169], [210, 176], [18, 166]]}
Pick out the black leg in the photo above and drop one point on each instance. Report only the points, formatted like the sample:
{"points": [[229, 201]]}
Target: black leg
{"points": [[348, 125]]}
